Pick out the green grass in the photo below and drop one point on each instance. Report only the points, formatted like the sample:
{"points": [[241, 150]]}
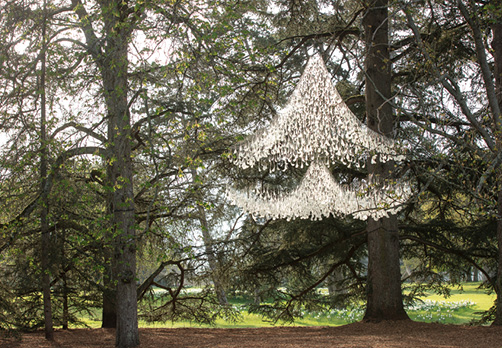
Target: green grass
{"points": [[462, 315], [463, 306], [470, 292]]}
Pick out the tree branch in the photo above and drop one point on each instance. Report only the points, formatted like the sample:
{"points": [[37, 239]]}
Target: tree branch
{"points": [[93, 46], [450, 251], [483, 62], [450, 85], [142, 289], [81, 128], [91, 150]]}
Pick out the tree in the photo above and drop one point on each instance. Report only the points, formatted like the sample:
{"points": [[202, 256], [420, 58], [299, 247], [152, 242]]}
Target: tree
{"points": [[468, 119], [384, 296], [44, 201], [289, 260], [138, 143], [111, 60], [297, 135], [91, 44], [34, 92]]}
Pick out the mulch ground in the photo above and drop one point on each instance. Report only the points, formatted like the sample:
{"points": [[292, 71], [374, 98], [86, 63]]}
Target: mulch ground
{"points": [[360, 335]]}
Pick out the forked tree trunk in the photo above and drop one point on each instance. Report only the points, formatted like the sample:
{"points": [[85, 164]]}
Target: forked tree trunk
{"points": [[384, 297], [110, 53]]}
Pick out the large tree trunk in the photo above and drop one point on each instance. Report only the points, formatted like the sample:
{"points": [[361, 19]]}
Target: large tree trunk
{"points": [[384, 297], [110, 54], [498, 280], [120, 172], [497, 53], [109, 309], [122, 219]]}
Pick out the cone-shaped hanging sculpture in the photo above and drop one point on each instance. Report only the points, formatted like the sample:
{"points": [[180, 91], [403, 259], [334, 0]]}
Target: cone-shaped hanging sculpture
{"points": [[320, 195], [317, 127], [315, 123]]}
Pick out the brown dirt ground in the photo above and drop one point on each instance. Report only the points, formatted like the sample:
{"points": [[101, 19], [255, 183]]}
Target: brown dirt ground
{"points": [[360, 335]]}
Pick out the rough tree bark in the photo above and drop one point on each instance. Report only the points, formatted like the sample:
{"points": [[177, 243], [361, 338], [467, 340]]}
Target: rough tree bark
{"points": [[114, 73], [497, 54], [120, 176], [109, 309], [384, 297]]}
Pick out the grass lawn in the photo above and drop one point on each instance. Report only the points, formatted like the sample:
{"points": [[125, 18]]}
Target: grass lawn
{"points": [[461, 307], [470, 302], [470, 292]]}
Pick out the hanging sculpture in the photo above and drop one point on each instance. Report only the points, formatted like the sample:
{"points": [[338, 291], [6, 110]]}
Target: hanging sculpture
{"points": [[317, 128]]}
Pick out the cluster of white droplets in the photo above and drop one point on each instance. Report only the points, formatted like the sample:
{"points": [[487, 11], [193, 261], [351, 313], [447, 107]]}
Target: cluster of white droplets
{"points": [[316, 124], [319, 195]]}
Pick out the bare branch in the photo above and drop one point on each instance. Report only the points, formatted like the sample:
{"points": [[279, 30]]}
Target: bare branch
{"points": [[81, 128]]}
